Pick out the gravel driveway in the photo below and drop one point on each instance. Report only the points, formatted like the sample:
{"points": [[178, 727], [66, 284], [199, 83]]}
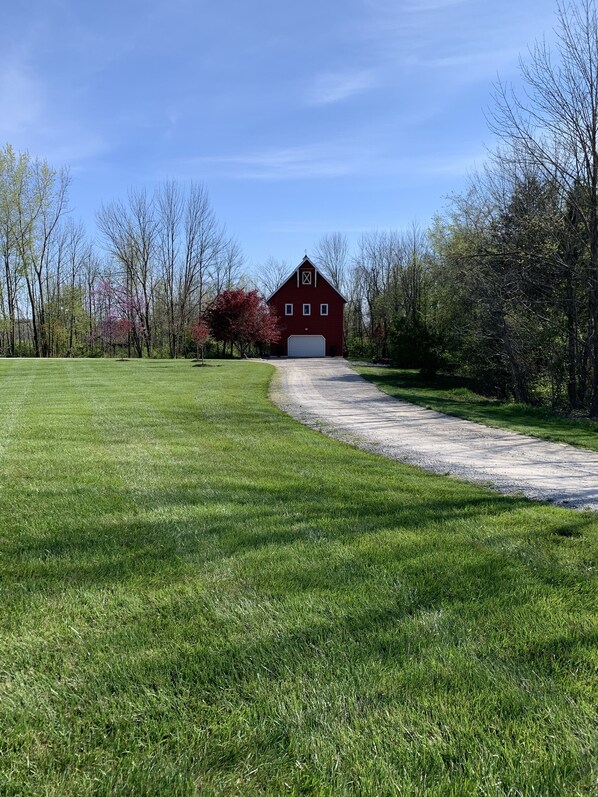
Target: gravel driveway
{"points": [[326, 394]]}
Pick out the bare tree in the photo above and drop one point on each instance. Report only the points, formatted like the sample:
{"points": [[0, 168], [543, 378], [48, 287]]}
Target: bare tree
{"points": [[378, 263], [226, 271], [170, 207], [78, 254], [205, 246], [130, 234], [174, 255], [412, 272], [271, 274], [332, 258]]}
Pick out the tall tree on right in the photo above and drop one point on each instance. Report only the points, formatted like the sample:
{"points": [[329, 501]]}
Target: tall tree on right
{"points": [[553, 125]]}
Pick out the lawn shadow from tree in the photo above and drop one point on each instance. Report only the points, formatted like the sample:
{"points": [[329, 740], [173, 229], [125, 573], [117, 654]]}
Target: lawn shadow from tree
{"points": [[268, 650], [177, 526], [536, 421]]}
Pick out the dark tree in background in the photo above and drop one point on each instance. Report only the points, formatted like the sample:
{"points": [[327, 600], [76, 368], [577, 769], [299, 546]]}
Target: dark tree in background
{"points": [[553, 127]]}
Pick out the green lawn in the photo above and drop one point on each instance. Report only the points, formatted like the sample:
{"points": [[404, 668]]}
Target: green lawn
{"points": [[451, 396], [202, 597]]}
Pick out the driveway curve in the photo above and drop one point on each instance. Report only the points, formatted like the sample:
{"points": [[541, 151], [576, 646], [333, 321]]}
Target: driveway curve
{"points": [[329, 396]]}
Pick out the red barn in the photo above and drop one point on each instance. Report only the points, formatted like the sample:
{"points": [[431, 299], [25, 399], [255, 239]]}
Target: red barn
{"points": [[310, 312]]}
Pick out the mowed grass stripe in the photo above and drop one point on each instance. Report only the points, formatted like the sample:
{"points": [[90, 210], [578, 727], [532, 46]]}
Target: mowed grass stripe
{"points": [[13, 395], [215, 600]]}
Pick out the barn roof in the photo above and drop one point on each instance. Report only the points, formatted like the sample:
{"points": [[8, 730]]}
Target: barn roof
{"points": [[304, 262]]}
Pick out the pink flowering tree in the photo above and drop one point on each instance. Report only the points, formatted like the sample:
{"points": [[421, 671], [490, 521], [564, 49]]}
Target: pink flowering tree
{"points": [[123, 316], [200, 332], [116, 331]]}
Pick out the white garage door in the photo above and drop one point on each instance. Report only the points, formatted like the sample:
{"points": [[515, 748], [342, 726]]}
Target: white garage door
{"points": [[307, 346]]}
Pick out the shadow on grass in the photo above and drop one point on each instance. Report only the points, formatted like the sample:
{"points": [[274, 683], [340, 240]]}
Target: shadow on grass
{"points": [[538, 421], [190, 526], [337, 622]]}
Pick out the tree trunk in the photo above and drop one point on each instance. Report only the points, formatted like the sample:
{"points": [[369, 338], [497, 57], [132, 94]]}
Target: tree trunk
{"points": [[11, 309], [519, 385], [572, 387]]}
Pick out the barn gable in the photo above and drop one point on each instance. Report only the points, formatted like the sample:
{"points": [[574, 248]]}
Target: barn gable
{"points": [[310, 311], [296, 277]]}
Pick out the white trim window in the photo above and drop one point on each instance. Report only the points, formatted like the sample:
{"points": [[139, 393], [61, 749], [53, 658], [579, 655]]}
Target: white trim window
{"points": [[288, 309], [307, 309], [323, 309], [306, 278]]}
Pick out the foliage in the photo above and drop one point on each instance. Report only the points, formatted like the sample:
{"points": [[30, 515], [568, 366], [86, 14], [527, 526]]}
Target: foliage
{"points": [[497, 284], [552, 127], [117, 331], [414, 345], [242, 318], [33, 199], [360, 349], [166, 258], [200, 332]]}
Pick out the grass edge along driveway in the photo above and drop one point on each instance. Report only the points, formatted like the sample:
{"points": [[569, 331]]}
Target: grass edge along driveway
{"points": [[451, 396], [201, 596]]}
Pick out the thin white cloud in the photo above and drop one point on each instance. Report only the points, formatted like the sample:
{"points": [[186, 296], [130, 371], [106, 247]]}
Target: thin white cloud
{"points": [[286, 163], [465, 36], [335, 87], [327, 160], [71, 147], [464, 67], [454, 164]]}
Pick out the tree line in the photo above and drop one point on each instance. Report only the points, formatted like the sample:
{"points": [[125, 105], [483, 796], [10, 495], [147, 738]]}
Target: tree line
{"points": [[501, 288], [161, 258]]}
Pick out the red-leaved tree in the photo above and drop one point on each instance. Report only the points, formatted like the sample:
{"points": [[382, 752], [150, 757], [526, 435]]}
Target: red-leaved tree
{"points": [[242, 318], [200, 332]]}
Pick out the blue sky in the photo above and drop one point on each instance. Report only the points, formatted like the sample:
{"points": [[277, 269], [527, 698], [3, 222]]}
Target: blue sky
{"points": [[300, 118]]}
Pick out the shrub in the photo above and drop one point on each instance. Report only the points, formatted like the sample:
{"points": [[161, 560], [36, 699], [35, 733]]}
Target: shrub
{"points": [[414, 345], [360, 349]]}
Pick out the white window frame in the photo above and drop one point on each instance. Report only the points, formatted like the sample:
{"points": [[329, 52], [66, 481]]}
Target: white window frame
{"points": [[306, 278], [324, 309], [286, 309], [308, 309]]}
